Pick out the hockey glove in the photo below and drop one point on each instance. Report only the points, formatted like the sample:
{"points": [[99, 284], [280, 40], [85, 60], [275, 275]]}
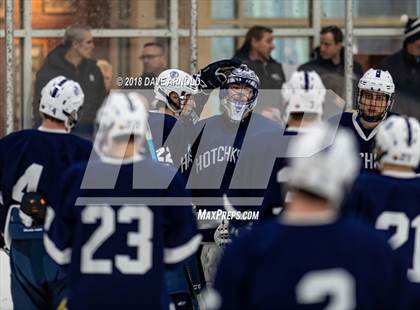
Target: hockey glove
{"points": [[33, 209], [215, 74]]}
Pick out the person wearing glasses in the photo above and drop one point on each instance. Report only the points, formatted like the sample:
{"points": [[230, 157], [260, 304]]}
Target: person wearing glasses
{"points": [[154, 59]]}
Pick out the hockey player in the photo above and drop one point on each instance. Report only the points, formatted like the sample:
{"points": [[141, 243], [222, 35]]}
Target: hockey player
{"points": [[115, 248], [374, 103], [31, 164], [390, 201], [170, 129], [174, 91], [225, 140], [309, 257], [220, 143], [304, 96]]}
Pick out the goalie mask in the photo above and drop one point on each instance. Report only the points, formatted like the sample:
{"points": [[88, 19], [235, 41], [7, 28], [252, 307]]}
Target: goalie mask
{"points": [[121, 116], [62, 100], [326, 171], [398, 141], [175, 81], [304, 93], [376, 95], [238, 95]]}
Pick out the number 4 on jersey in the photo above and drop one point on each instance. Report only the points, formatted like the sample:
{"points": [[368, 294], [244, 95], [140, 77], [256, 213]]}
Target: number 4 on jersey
{"points": [[28, 180]]}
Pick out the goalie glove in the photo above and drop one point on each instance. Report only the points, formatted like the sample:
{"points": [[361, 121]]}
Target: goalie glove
{"points": [[215, 74], [33, 209]]}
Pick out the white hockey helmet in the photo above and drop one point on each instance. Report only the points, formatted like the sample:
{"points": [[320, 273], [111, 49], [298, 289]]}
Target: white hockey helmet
{"points": [[328, 172], [121, 115], [177, 81], [304, 93], [62, 99], [376, 80], [398, 141], [237, 108]]}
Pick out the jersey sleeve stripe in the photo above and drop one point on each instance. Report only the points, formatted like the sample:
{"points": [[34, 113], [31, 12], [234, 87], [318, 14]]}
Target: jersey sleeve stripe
{"points": [[60, 257], [178, 254]]}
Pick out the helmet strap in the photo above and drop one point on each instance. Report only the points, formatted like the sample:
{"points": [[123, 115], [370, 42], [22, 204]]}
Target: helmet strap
{"points": [[173, 106]]}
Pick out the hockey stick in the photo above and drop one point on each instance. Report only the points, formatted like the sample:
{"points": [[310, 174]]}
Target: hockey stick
{"points": [[150, 145]]}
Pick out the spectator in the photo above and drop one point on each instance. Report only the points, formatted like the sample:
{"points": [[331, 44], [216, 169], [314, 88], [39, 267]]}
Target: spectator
{"points": [[329, 57], [73, 60], [154, 59], [106, 69], [256, 54], [405, 69]]}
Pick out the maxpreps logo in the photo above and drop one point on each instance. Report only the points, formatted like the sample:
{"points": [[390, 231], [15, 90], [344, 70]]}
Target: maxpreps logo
{"points": [[222, 215]]}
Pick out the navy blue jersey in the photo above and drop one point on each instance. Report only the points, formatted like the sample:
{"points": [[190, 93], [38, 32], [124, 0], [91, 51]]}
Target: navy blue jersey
{"points": [[34, 160], [392, 206], [275, 195], [342, 265], [115, 242], [225, 152], [169, 138], [365, 138]]}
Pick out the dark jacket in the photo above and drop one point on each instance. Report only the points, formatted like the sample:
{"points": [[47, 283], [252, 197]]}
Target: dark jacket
{"points": [[332, 75], [326, 66], [270, 72], [271, 77], [87, 74], [406, 75]]}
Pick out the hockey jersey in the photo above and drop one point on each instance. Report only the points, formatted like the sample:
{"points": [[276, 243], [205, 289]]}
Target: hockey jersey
{"points": [[275, 195], [169, 138], [391, 204], [365, 138], [341, 264], [115, 242], [224, 152], [34, 160]]}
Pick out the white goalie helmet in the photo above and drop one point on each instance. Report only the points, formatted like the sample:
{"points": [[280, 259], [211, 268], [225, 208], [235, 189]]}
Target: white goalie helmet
{"points": [[327, 172], [62, 99], [177, 81], [398, 141], [237, 108], [304, 93], [376, 80], [121, 115]]}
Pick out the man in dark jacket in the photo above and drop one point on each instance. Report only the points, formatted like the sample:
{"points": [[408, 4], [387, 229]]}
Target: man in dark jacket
{"points": [[328, 58], [73, 60], [256, 54], [154, 60], [405, 69]]}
